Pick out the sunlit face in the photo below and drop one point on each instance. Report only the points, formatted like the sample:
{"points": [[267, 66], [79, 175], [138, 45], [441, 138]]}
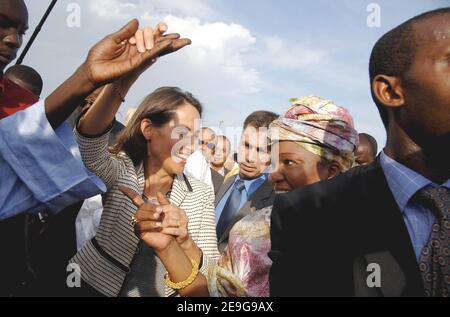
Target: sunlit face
{"points": [[207, 140], [426, 115], [296, 167], [173, 143], [221, 152], [254, 153]]}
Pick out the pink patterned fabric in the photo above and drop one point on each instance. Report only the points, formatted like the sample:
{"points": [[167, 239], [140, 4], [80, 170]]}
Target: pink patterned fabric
{"points": [[319, 126], [243, 270]]}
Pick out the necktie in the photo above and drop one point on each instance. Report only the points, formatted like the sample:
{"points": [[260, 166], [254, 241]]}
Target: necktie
{"points": [[434, 263], [231, 208]]}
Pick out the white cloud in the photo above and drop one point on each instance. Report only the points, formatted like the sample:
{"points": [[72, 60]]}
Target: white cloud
{"points": [[116, 9], [198, 8], [217, 53], [279, 55], [113, 9]]}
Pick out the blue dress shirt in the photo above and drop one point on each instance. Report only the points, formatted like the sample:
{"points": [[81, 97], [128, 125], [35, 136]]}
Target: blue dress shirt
{"points": [[250, 188], [404, 183], [40, 168]]}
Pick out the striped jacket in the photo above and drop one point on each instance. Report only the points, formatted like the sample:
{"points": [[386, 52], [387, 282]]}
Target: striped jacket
{"points": [[105, 260]]}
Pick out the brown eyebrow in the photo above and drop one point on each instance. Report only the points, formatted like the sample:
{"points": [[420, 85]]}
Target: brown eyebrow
{"points": [[184, 126], [289, 153]]}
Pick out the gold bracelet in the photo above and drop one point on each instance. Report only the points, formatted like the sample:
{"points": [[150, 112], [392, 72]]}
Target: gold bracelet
{"points": [[185, 283]]}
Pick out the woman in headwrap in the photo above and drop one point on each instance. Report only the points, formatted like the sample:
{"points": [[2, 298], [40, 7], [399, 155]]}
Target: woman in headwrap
{"points": [[315, 140]]}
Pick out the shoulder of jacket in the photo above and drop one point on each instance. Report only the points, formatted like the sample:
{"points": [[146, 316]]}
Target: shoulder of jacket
{"points": [[198, 185], [332, 191]]}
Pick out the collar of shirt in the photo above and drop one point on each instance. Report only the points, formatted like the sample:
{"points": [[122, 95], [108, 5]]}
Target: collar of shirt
{"points": [[252, 185], [403, 182]]}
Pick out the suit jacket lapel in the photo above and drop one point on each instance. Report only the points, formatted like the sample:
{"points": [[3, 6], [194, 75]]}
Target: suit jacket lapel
{"points": [[261, 198], [387, 241], [384, 269], [223, 189], [217, 180], [179, 190]]}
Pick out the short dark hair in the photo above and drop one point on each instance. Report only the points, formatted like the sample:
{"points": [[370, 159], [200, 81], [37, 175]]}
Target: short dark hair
{"points": [[394, 53], [30, 78], [260, 119], [372, 141]]}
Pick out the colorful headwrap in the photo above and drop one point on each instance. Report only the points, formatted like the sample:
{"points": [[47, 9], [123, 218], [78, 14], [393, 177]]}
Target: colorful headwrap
{"points": [[320, 127]]}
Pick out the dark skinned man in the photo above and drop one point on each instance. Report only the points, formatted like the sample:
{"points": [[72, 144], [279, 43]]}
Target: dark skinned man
{"points": [[382, 229], [367, 150], [21, 182]]}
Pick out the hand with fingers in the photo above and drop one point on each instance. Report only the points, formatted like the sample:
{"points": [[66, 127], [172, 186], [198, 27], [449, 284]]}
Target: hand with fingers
{"points": [[175, 222], [146, 39], [128, 51], [158, 225]]}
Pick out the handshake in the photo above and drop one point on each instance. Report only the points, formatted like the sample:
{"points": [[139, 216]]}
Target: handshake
{"points": [[159, 225]]}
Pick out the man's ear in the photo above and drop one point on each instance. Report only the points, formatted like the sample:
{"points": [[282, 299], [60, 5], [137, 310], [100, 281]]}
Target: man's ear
{"points": [[388, 91], [147, 129], [333, 170]]}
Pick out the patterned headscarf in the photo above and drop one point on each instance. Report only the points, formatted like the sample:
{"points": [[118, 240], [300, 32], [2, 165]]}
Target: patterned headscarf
{"points": [[320, 127]]}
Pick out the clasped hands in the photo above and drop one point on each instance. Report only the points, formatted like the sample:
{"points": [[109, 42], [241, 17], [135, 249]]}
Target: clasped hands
{"points": [[158, 225]]}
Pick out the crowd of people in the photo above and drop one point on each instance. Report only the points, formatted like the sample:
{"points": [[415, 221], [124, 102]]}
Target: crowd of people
{"points": [[160, 206]]}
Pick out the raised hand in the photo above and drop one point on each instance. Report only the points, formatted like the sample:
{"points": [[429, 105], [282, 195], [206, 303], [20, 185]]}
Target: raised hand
{"points": [[119, 54], [122, 55], [145, 38]]}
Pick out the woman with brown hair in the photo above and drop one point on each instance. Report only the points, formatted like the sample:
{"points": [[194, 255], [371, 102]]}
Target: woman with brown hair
{"points": [[148, 158]]}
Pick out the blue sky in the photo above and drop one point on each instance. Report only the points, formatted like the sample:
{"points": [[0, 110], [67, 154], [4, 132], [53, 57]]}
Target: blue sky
{"points": [[246, 55]]}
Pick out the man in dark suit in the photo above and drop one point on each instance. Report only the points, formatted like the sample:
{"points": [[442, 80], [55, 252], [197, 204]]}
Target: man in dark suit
{"points": [[217, 180], [382, 229], [250, 189]]}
